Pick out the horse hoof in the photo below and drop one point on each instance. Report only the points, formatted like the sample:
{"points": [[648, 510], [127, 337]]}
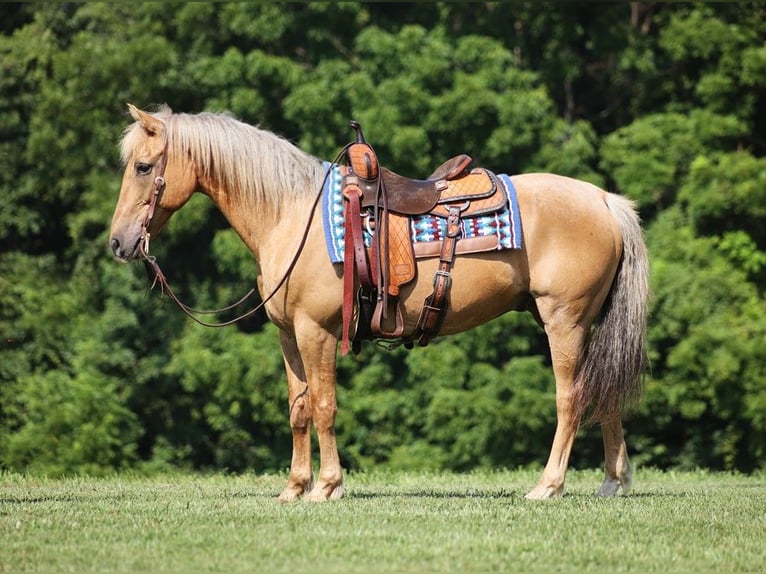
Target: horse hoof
{"points": [[323, 493], [338, 492], [289, 495], [295, 488], [544, 493], [611, 487], [315, 496]]}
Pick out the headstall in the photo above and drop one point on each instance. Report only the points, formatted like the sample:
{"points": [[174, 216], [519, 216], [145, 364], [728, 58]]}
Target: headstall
{"points": [[158, 277]]}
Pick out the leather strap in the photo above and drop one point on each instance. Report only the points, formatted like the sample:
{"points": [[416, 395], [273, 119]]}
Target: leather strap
{"points": [[354, 256], [348, 284], [353, 195], [435, 305], [159, 187]]}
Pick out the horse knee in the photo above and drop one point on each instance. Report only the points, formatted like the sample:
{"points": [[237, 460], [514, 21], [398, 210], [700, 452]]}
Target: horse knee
{"points": [[300, 414], [325, 411]]}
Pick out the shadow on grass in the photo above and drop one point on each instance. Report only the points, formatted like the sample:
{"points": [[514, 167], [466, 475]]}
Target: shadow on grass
{"points": [[468, 494], [504, 494], [72, 498]]}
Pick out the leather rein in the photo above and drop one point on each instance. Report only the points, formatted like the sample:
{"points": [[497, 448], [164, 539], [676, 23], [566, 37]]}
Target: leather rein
{"points": [[158, 277]]}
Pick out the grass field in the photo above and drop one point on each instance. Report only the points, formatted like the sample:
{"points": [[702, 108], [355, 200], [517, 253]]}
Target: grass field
{"points": [[389, 522]]}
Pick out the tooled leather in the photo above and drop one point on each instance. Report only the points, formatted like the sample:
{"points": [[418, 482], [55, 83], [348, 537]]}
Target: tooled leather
{"points": [[401, 258], [479, 187]]}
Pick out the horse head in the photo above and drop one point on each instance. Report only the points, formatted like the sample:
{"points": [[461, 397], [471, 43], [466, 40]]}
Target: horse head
{"points": [[155, 184]]}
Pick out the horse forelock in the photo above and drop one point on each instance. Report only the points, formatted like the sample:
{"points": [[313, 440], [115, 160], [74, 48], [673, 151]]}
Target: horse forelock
{"points": [[133, 135]]}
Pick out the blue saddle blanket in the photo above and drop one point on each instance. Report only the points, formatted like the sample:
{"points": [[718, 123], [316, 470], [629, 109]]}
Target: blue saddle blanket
{"points": [[505, 224]]}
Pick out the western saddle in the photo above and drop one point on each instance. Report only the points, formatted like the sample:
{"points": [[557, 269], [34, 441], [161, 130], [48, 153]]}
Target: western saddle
{"points": [[382, 201]]}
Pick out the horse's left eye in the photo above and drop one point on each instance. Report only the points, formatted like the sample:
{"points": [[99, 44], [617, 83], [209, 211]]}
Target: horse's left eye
{"points": [[143, 168]]}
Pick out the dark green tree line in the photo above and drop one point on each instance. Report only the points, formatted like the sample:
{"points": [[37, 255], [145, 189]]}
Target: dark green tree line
{"points": [[664, 103]]}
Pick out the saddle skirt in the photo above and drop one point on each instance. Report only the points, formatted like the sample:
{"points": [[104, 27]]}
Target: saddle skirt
{"points": [[490, 224]]}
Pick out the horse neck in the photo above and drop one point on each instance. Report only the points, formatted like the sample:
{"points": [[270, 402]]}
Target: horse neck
{"points": [[260, 223], [258, 180]]}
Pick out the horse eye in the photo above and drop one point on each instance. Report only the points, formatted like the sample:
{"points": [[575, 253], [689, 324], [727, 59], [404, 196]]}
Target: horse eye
{"points": [[143, 168]]}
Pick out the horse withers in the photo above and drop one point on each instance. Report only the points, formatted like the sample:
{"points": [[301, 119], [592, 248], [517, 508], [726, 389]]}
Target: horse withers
{"points": [[582, 272]]}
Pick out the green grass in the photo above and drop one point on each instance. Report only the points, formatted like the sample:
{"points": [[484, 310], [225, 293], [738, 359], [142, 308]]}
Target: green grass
{"points": [[388, 522]]}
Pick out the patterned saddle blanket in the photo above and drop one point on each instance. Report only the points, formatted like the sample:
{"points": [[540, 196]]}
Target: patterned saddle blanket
{"points": [[495, 231]]}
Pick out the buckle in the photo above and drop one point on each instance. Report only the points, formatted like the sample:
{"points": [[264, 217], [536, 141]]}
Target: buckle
{"points": [[444, 275]]}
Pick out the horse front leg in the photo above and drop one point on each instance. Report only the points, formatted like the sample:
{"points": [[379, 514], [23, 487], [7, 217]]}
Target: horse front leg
{"points": [[618, 472], [318, 353], [566, 345], [301, 477]]}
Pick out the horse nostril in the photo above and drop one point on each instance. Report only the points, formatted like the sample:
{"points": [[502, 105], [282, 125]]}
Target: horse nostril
{"points": [[115, 244]]}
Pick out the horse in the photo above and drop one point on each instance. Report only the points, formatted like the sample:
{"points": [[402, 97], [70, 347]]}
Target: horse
{"points": [[582, 273]]}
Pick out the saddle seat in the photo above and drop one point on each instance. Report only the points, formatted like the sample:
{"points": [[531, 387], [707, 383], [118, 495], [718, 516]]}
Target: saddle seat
{"points": [[451, 182], [416, 196]]}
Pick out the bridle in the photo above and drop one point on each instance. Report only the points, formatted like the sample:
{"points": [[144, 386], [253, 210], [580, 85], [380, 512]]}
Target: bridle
{"points": [[159, 186], [158, 277]]}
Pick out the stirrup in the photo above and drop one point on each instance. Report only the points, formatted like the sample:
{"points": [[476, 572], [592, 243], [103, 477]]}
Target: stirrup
{"points": [[377, 322]]}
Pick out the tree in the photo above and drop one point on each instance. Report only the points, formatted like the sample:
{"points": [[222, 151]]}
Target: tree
{"points": [[661, 102]]}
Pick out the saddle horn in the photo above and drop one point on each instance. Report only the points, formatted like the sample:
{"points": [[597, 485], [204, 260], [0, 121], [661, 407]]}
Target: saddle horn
{"points": [[357, 127], [361, 156]]}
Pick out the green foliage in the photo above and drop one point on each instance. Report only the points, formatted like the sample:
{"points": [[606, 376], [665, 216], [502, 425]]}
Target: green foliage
{"points": [[65, 404], [651, 158], [422, 95], [661, 102], [238, 383], [706, 339], [464, 401], [725, 195], [72, 424]]}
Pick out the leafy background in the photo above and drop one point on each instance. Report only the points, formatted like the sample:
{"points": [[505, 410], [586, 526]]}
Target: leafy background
{"points": [[662, 102]]}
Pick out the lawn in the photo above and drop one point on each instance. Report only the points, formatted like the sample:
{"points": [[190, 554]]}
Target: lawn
{"points": [[392, 522]]}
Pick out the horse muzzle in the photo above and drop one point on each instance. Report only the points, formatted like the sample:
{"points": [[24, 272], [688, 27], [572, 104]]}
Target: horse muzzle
{"points": [[125, 251]]}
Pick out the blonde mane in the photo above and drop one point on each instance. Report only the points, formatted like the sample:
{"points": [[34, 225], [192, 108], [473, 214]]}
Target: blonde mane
{"points": [[253, 164]]}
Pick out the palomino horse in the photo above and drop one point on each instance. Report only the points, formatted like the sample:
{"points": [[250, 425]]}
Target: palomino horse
{"points": [[582, 273]]}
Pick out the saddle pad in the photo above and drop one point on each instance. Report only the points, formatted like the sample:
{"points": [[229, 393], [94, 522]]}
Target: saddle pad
{"points": [[504, 226]]}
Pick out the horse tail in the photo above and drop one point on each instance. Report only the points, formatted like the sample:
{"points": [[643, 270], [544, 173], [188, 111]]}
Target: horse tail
{"points": [[609, 376]]}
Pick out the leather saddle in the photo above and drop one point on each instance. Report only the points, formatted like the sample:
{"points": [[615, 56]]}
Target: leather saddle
{"points": [[383, 202]]}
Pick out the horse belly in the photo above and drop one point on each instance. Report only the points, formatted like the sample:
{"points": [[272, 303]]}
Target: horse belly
{"points": [[484, 286]]}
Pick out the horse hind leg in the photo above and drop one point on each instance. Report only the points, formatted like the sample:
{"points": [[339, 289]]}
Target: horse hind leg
{"points": [[618, 472], [566, 342]]}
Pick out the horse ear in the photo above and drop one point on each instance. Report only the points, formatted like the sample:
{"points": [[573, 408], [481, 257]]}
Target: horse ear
{"points": [[151, 124]]}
